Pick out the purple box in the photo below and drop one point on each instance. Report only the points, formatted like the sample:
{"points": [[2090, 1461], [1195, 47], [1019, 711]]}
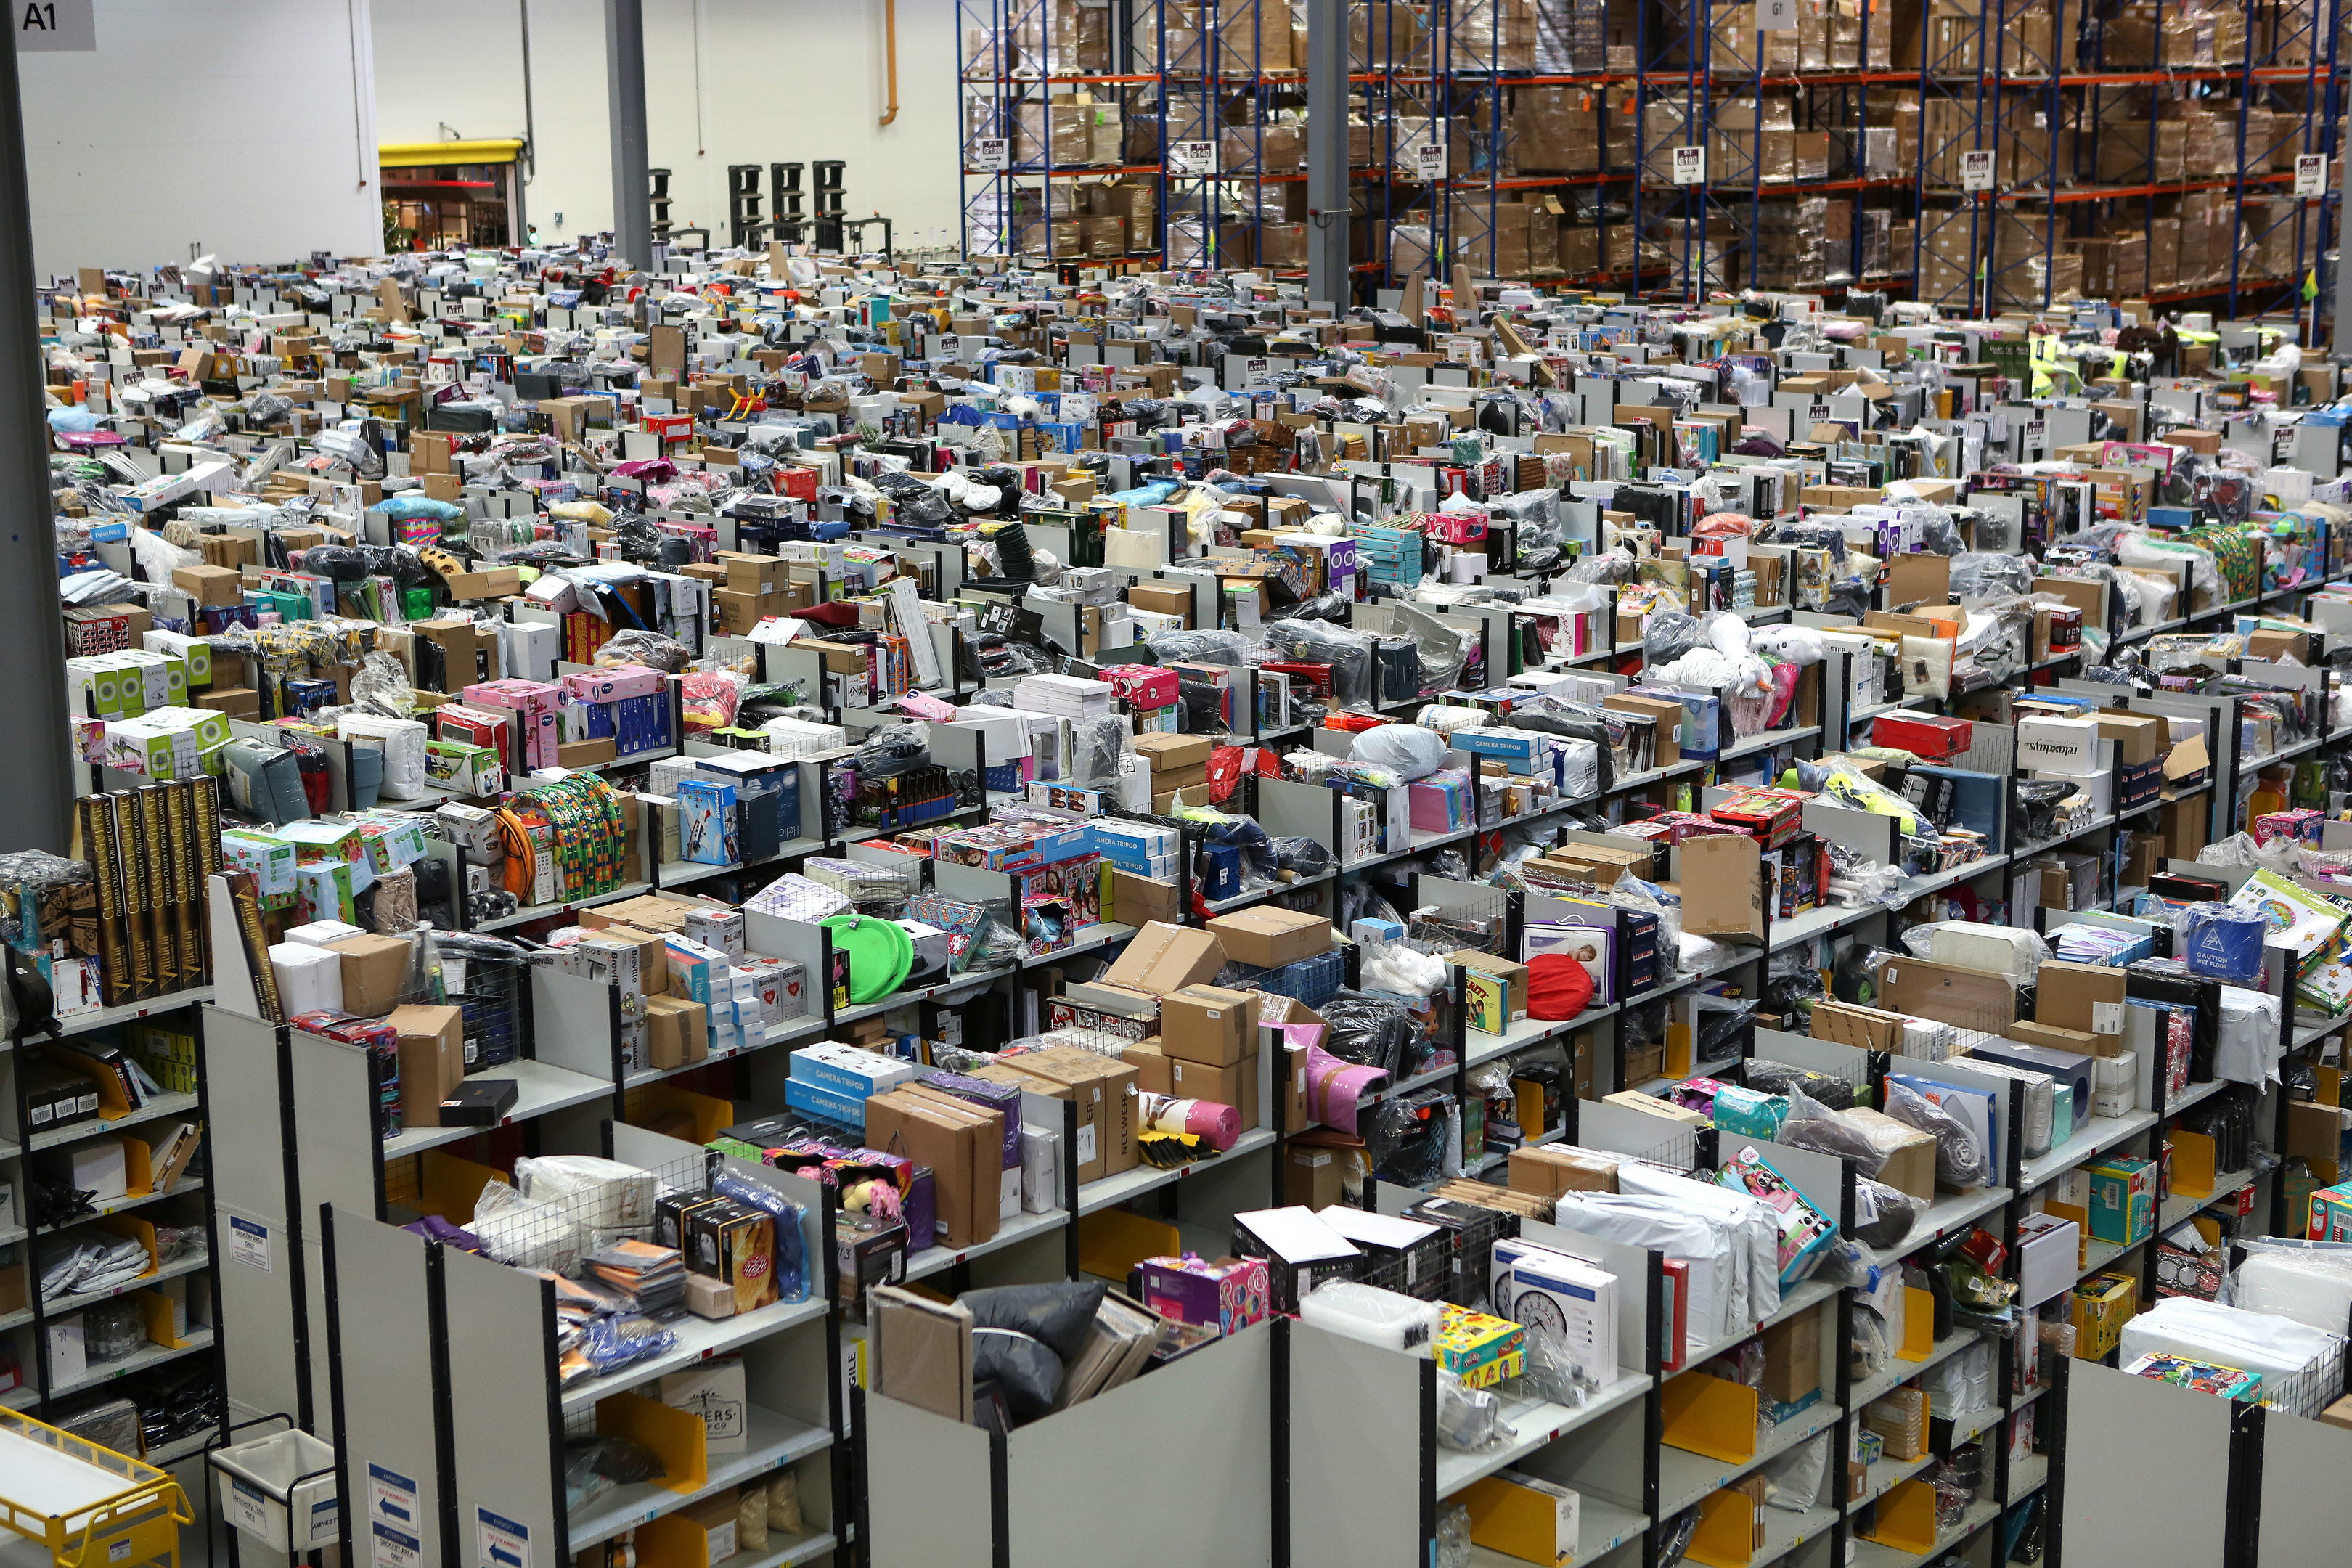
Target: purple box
{"points": [[1224, 1296]]}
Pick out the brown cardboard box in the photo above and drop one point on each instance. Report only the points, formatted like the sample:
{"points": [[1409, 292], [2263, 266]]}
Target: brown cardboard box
{"points": [[2139, 736], [1150, 1065], [237, 701], [432, 1060], [1172, 753], [1140, 901], [585, 753], [1550, 1170], [1207, 1026], [2338, 1414], [739, 614], [1722, 887], [678, 1032], [1792, 1356], [1910, 1153], [1110, 1087], [1023, 1072], [2084, 998], [932, 1134], [1972, 998], [748, 573], [1236, 1085], [1316, 1179], [210, 585], [1165, 957], [1162, 601], [1271, 938], [1601, 866], [1668, 717], [375, 971], [1864, 1029]]}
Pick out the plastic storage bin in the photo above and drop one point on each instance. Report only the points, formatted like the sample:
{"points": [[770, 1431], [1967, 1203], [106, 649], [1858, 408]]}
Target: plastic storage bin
{"points": [[282, 1491]]}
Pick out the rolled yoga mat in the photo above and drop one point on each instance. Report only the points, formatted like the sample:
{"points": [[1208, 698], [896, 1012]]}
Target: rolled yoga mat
{"points": [[1217, 1125]]}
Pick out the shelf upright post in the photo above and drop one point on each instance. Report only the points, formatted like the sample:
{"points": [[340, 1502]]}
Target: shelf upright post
{"points": [[1328, 202]]}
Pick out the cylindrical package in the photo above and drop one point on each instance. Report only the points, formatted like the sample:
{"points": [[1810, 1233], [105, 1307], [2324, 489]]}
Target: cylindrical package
{"points": [[1218, 1125], [2223, 941]]}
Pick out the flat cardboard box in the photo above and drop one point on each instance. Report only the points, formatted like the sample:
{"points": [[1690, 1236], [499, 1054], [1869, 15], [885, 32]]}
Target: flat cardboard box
{"points": [[432, 1060], [1865, 1028], [375, 971], [2338, 1414], [929, 1134], [1722, 890], [1162, 601], [1165, 957], [1172, 753], [1271, 938], [1109, 1087], [2139, 737], [1911, 1166], [1971, 998], [1207, 1026], [988, 1148], [1793, 1357], [1664, 1110]]}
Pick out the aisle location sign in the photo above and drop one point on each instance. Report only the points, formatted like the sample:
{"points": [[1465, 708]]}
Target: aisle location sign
{"points": [[1976, 171], [1690, 165], [992, 152], [57, 27], [1429, 160], [1193, 158], [2311, 173], [1776, 15]]}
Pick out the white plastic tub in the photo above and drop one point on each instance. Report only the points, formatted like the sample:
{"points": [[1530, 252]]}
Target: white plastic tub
{"points": [[272, 1495]]}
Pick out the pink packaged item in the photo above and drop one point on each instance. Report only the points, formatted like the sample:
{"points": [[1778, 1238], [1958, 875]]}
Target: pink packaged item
{"points": [[914, 705], [1142, 685], [1334, 1086], [1227, 1296], [610, 683]]}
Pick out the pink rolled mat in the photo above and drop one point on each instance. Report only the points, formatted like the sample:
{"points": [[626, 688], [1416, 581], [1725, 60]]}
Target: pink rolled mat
{"points": [[1334, 1086], [1219, 1125]]}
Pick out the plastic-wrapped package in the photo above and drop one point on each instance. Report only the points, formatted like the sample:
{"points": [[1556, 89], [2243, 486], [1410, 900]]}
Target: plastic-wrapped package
{"points": [[1201, 647], [1778, 1078], [1378, 1317], [1095, 748], [708, 698], [1668, 634], [2290, 1355], [1885, 1213], [1444, 649], [792, 1274], [1407, 750], [652, 649], [1367, 1031], [1959, 1158], [607, 1344], [1793, 1481], [1350, 655], [1469, 1420], [1415, 1139], [1810, 1124], [2309, 1281]]}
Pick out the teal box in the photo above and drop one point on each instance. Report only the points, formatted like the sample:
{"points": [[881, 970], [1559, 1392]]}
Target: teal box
{"points": [[2122, 1201]]}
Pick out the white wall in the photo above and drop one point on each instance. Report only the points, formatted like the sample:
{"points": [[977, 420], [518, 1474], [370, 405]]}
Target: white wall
{"points": [[244, 127], [779, 80]]}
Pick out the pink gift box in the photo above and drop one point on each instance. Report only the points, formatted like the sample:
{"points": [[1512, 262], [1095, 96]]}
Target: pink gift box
{"points": [[1142, 685], [515, 695], [1230, 1296]]}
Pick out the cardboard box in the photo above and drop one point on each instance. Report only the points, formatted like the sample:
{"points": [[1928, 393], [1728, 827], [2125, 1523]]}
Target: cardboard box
{"points": [[210, 586], [1793, 1357], [1910, 1153], [906, 1122], [375, 972], [1165, 957], [1236, 1085], [1271, 938], [1721, 885], [1550, 1170], [2139, 737], [1141, 900], [1206, 1024], [432, 1060], [1150, 1065], [1314, 1178], [2085, 999], [678, 1032]]}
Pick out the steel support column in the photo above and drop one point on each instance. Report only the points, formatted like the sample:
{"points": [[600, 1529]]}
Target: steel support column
{"points": [[32, 645], [624, 88], [1327, 152]]}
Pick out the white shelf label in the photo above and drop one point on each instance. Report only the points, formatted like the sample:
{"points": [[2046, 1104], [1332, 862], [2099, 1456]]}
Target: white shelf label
{"points": [[1196, 159], [1776, 15], [1976, 171], [1690, 165], [2311, 173], [1429, 160], [992, 152]]}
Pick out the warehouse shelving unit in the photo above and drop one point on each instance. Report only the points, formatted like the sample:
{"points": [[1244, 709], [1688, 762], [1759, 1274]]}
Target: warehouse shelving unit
{"points": [[1018, 61], [30, 1237]]}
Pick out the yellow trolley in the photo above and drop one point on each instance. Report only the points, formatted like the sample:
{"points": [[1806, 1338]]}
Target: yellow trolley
{"points": [[88, 1507]]}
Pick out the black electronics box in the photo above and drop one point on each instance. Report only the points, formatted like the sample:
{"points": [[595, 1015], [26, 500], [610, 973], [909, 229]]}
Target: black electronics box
{"points": [[479, 1103]]}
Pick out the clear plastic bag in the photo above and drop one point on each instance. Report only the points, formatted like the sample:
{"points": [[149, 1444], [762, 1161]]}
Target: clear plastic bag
{"points": [[1469, 1419], [1350, 655], [1407, 750], [651, 649]]}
